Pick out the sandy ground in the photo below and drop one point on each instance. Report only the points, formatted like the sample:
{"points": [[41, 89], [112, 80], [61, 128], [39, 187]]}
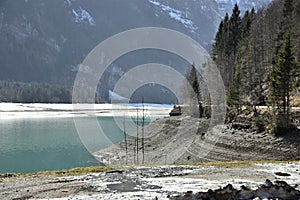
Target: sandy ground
{"points": [[147, 182]]}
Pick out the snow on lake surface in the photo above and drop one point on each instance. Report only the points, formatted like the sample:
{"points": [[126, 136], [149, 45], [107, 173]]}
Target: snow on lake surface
{"points": [[40, 110]]}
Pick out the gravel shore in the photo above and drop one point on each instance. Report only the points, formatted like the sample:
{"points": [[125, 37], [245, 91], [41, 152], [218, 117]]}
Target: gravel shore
{"points": [[183, 139], [156, 182]]}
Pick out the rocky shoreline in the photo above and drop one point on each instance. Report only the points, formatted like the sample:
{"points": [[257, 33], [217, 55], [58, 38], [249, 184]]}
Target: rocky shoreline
{"points": [[181, 182], [269, 190]]}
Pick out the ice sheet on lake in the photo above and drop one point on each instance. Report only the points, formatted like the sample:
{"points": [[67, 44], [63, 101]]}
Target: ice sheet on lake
{"points": [[40, 110]]}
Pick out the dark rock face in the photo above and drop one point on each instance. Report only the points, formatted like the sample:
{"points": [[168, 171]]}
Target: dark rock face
{"points": [[44, 40], [269, 190]]}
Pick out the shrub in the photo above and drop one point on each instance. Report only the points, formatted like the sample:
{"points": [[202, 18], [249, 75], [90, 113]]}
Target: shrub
{"points": [[258, 124]]}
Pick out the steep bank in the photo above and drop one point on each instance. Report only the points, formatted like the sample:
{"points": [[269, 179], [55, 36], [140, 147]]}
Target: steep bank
{"points": [[184, 139]]}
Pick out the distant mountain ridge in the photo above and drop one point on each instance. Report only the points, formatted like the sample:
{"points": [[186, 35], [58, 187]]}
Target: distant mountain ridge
{"points": [[45, 41]]}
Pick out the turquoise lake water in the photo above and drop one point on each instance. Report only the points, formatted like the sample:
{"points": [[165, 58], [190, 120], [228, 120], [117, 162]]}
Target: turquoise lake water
{"points": [[29, 145]]}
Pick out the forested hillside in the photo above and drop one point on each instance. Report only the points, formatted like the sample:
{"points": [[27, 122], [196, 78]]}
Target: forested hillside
{"points": [[258, 53], [46, 41], [33, 93]]}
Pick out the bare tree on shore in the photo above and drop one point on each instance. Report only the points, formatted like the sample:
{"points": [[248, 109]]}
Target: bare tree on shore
{"points": [[125, 139], [143, 123], [137, 136]]}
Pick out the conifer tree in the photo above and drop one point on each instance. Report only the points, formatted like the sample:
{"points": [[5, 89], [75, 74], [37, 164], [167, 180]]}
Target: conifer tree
{"points": [[285, 24], [233, 96], [235, 31], [193, 80], [282, 80]]}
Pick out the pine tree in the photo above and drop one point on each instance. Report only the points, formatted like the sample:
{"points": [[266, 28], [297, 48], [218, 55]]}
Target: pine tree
{"points": [[235, 31], [234, 94], [297, 29], [217, 46], [282, 80], [193, 80], [285, 24], [221, 50], [246, 23], [226, 47], [238, 85]]}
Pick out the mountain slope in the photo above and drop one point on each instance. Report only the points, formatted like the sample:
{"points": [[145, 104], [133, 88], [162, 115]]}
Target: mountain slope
{"points": [[45, 40]]}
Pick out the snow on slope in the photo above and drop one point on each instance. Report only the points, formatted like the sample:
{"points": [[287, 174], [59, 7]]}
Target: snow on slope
{"points": [[176, 15], [82, 16], [226, 5]]}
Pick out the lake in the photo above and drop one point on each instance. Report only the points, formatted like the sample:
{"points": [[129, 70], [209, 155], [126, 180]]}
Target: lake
{"points": [[37, 144]]}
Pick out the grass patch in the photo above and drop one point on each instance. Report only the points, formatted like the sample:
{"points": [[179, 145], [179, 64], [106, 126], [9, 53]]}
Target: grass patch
{"points": [[229, 164], [98, 169], [76, 171], [56, 173], [275, 161], [242, 164]]}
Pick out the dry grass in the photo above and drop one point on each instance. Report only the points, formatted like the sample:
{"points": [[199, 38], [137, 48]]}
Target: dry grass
{"points": [[231, 164], [55, 173], [98, 169], [239, 164]]}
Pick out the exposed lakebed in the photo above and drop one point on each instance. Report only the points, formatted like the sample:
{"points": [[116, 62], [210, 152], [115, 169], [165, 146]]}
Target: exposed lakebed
{"points": [[156, 182]]}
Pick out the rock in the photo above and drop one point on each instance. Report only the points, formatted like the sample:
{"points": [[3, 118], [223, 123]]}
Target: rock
{"points": [[280, 189], [228, 187], [7, 175], [245, 194], [282, 174], [267, 184], [115, 171], [245, 188], [240, 126]]}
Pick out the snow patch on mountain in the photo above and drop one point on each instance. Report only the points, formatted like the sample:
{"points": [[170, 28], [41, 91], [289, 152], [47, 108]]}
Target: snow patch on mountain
{"points": [[114, 97], [176, 15], [52, 43], [228, 1], [83, 16], [68, 2], [227, 5], [155, 3], [82, 68]]}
